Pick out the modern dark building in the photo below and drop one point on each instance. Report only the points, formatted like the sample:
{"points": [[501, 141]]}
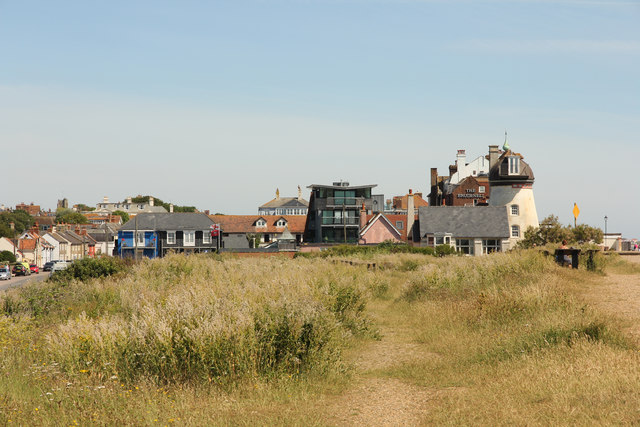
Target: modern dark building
{"points": [[334, 212]]}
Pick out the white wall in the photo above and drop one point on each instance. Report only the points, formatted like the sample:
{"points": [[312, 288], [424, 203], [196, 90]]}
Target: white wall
{"points": [[523, 197], [479, 165]]}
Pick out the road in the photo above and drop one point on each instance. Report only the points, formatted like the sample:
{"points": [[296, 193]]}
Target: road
{"points": [[22, 280]]}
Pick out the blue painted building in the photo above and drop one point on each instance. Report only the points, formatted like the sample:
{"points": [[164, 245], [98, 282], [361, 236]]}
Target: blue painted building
{"points": [[153, 235]]}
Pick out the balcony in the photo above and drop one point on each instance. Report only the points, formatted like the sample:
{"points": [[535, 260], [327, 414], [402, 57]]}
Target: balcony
{"points": [[341, 221], [346, 201]]}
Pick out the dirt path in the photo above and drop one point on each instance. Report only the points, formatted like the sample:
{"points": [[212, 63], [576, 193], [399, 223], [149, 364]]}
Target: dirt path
{"points": [[376, 400], [619, 295]]}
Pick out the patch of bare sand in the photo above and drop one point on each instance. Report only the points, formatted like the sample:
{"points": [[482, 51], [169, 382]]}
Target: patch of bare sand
{"points": [[379, 400], [619, 296]]}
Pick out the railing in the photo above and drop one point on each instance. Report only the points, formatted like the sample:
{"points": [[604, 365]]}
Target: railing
{"points": [[346, 201], [340, 221]]}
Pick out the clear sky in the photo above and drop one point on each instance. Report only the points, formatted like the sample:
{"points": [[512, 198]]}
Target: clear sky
{"points": [[218, 103]]}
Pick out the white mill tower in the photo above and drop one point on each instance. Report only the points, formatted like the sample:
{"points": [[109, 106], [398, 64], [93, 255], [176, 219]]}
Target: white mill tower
{"points": [[511, 181]]}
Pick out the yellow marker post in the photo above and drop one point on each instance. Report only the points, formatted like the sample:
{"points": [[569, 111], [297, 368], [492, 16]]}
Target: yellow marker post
{"points": [[576, 212]]}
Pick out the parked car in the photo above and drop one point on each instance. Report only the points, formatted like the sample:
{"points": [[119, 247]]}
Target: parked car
{"points": [[34, 268], [60, 265], [5, 273], [19, 269], [48, 265]]}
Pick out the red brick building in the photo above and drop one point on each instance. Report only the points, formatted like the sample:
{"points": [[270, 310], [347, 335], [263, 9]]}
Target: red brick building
{"points": [[31, 209], [471, 191]]}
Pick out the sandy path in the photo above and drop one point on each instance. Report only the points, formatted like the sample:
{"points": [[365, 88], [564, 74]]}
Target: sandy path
{"points": [[376, 400], [619, 296]]}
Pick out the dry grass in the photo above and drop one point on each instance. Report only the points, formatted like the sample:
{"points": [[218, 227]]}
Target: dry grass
{"points": [[505, 339]]}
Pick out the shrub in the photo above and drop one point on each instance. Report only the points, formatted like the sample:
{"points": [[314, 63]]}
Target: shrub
{"points": [[90, 268], [7, 256]]}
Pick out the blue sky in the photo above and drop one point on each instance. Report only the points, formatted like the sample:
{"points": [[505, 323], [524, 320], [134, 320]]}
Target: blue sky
{"points": [[217, 104]]}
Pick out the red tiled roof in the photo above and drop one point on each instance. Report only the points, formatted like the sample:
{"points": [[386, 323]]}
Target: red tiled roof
{"points": [[400, 202], [27, 244], [246, 223]]}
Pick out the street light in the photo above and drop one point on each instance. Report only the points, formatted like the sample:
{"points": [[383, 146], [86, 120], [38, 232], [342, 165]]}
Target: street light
{"points": [[605, 232]]}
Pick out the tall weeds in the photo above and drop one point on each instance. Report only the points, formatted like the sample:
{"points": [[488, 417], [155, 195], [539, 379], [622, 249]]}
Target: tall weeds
{"points": [[199, 319]]}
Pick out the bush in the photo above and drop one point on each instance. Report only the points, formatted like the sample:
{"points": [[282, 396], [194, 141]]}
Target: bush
{"points": [[387, 247], [89, 268], [7, 256]]}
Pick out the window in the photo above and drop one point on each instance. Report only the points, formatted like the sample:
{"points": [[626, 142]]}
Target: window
{"points": [[140, 238], [261, 223], [399, 225], [515, 210], [482, 189], [206, 237], [281, 223], [171, 237], [464, 246], [189, 238], [515, 231], [491, 245], [514, 165]]}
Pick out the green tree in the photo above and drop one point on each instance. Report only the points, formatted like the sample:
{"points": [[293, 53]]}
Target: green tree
{"points": [[123, 215], [552, 232], [583, 233], [21, 219], [84, 208], [7, 256], [158, 202], [67, 216]]}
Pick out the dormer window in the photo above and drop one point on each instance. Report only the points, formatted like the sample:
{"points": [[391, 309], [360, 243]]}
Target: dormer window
{"points": [[261, 223], [514, 165], [281, 223]]}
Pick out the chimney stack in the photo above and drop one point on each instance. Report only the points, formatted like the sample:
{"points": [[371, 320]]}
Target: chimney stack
{"points": [[363, 217], [433, 197], [171, 208], [129, 200], [494, 155], [411, 214], [151, 201], [299, 193], [461, 159]]}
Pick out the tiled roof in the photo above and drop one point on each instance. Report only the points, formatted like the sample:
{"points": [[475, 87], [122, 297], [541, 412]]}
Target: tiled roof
{"points": [[27, 244], [393, 218], [246, 223], [45, 220], [400, 202]]}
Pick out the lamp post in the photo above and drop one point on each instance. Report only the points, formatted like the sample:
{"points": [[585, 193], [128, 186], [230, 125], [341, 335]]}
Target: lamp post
{"points": [[605, 232]]}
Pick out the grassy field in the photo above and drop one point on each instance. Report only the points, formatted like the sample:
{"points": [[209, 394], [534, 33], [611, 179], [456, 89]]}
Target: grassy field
{"points": [[206, 340]]}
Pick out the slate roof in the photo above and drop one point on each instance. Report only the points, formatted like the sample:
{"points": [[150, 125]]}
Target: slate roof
{"points": [[169, 221], [526, 173], [288, 202], [465, 221], [246, 223], [57, 237], [72, 237]]}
